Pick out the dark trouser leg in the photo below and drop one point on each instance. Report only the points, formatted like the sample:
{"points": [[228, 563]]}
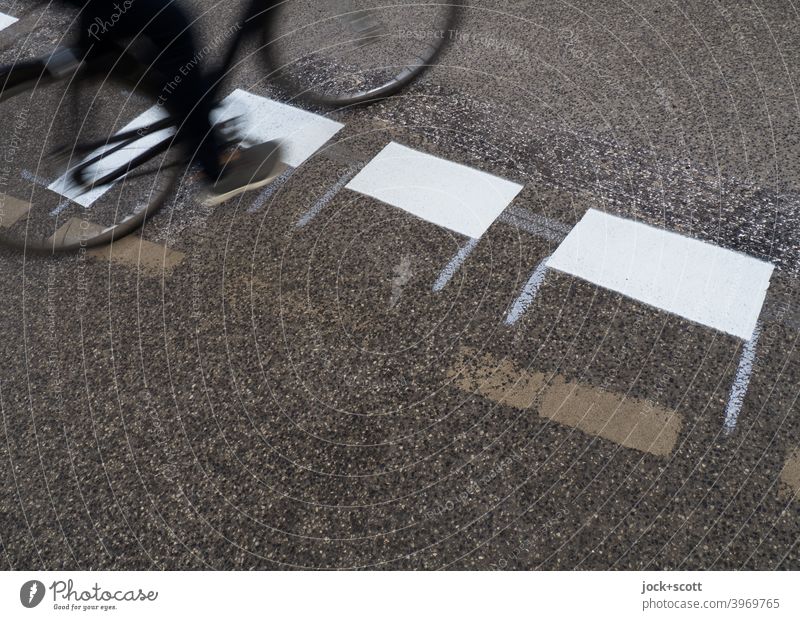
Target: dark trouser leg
{"points": [[182, 84]]}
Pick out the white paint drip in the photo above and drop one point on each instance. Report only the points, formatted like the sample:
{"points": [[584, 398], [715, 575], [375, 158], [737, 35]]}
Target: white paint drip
{"points": [[270, 190], [742, 381], [535, 224], [326, 198], [455, 263], [61, 206], [402, 277], [528, 293], [29, 176]]}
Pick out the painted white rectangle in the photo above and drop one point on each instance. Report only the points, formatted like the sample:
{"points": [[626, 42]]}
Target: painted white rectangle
{"points": [[6, 20], [301, 133], [701, 282], [64, 185], [453, 196]]}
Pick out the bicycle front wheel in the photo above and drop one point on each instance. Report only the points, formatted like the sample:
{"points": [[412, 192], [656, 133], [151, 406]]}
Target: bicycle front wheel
{"points": [[53, 127], [345, 52]]}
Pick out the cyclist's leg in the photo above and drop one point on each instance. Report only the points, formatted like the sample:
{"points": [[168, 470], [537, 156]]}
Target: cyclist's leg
{"points": [[181, 82], [183, 85]]}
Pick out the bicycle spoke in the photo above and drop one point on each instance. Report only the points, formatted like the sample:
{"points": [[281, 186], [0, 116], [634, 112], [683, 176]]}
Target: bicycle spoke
{"points": [[95, 130]]}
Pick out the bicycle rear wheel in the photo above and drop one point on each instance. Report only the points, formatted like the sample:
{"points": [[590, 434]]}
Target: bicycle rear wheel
{"points": [[344, 52], [53, 126]]}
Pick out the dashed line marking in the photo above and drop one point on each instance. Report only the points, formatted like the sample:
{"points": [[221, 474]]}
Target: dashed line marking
{"points": [[327, 197], [269, 191], [6, 21], [445, 193], [33, 178], [535, 224], [790, 476], [455, 263], [715, 287], [741, 381], [629, 422], [150, 258], [12, 210], [528, 294], [60, 207]]}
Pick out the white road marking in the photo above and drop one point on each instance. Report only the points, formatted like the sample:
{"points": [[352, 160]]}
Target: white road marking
{"points": [[450, 269], [29, 176], [301, 133], [6, 21], [450, 195], [270, 190], [61, 206], [701, 282], [742, 381], [528, 293], [327, 197], [64, 185], [535, 224]]}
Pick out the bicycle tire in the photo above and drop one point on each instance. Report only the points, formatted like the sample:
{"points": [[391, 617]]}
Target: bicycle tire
{"points": [[111, 86], [296, 78]]}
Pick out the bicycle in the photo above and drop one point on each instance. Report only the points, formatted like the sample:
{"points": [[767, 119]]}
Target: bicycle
{"points": [[336, 54]]}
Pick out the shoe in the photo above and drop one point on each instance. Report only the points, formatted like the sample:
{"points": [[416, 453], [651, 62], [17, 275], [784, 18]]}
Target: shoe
{"points": [[249, 169]]}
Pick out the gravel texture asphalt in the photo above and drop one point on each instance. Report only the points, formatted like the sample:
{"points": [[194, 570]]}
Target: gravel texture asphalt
{"points": [[238, 392]]}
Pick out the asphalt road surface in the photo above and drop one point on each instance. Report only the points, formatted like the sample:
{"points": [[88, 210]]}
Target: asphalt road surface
{"points": [[385, 360]]}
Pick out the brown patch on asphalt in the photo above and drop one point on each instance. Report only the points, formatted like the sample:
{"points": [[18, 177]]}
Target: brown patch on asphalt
{"points": [[629, 422], [789, 487], [132, 250], [12, 210], [497, 380]]}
